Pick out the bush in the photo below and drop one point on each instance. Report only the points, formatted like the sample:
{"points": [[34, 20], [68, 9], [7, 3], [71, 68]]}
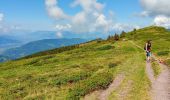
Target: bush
{"points": [[106, 47], [32, 62], [18, 92], [112, 65], [156, 69], [168, 62], [163, 53], [98, 81], [71, 78]]}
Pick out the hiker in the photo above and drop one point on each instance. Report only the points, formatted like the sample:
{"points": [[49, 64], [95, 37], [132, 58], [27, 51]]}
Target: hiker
{"points": [[148, 50]]}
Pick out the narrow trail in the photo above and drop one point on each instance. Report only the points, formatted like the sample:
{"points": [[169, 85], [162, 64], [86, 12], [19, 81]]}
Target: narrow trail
{"points": [[160, 88], [161, 85], [104, 94], [150, 72]]}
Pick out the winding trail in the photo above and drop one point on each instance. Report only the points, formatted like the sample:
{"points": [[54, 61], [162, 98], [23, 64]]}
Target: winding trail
{"points": [[161, 85], [104, 94], [150, 72]]}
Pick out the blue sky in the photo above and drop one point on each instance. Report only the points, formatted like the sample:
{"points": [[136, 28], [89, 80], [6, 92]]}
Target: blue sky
{"points": [[35, 14]]}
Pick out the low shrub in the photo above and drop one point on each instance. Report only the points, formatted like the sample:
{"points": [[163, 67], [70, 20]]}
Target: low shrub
{"points": [[32, 62], [163, 53], [40, 80], [156, 68], [71, 78], [168, 62], [100, 80], [112, 65], [25, 77], [106, 47], [18, 92]]}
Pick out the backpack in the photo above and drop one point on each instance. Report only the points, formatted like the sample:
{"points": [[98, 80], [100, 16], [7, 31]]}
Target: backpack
{"points": [[144, 47]]}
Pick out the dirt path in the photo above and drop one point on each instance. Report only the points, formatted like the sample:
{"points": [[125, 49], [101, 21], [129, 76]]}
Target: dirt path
{"points": [[104, 94], [150, 72], [161, 85]]}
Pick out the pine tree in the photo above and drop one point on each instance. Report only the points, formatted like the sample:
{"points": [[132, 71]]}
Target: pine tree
{"points": [[123, 34], [116, 37]]}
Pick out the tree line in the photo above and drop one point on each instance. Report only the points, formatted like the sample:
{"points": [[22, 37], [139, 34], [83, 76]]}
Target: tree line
{"points": [[116, 36]]}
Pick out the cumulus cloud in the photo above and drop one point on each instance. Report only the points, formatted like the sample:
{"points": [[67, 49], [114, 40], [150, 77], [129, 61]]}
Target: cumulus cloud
{"points": [[162, 21], [54, 11], [156, 7], [59, 35], [158, 10], [88, 5], [85, 21], [63, 27], [124, 27], [89, 20]]}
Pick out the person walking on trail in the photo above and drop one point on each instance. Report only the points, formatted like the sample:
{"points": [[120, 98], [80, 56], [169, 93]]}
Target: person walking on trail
{"points": [[148, 46]]}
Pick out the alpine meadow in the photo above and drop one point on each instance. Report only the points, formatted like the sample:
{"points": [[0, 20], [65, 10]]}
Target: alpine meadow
{"points": [[75, 72], [84, 50]]}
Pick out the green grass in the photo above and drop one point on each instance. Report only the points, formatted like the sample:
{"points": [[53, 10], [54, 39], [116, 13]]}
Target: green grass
{"points": [[74, 71], [99, 80], [156, 68], [163, 53], [71, 74], [168, 62], [136, 82]]}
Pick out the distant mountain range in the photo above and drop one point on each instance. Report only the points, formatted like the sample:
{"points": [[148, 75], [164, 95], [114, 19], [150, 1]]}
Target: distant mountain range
{"points": [[3, 58], [12, 44], [37, 46], [7, 42]]}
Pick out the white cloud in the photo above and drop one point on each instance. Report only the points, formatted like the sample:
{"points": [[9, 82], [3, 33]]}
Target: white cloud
{"points": [[90, 19], [63, 27], [54, 11], [85, 20], [142, 14], [159, 10], [88, 5], [156, 7], [102, 24], [59, 35], [1, 17], [162, 20], [124, 27]]}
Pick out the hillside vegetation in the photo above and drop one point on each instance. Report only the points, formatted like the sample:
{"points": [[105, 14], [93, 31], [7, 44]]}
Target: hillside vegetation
{"points": [[160, 38], [69, 73]]}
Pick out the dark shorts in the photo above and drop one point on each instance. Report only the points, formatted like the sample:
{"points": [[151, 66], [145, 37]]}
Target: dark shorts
{"points": [[148, 54]]}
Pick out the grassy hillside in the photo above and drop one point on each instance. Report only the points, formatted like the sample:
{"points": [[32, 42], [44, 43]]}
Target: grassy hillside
{"points": [[75, 71], [160, 40]]}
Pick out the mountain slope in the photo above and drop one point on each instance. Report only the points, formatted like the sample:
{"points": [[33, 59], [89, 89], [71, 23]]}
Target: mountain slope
{"points": [[41, 45], [160, 38], [75, 71], [3, 58], [7, 42]]}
